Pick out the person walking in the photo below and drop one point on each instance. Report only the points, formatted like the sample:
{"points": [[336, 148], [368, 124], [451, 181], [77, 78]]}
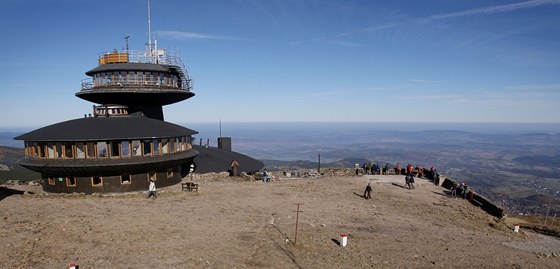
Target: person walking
{"points": [[367, 192], [409, 180], [152, 189]]}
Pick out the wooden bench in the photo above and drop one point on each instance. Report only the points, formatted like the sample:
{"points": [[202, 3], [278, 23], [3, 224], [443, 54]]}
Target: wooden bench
{"points": [[189, 186]]}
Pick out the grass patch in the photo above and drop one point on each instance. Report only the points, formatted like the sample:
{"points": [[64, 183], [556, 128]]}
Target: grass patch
{"points": [[24, 175]]}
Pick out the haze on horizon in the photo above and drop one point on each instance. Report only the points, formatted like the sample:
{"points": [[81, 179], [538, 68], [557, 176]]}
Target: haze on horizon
{"points": [[290, 61]]}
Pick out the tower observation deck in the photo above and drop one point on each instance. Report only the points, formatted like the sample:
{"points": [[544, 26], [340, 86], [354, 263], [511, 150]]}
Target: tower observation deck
{"points": [[144, 81]]}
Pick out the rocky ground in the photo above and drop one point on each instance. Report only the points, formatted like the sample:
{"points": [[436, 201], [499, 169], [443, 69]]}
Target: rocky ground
{"points": [[236, 223]]}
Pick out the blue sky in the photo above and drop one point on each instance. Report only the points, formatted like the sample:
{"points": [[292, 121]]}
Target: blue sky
{"points": [[296, 60]]}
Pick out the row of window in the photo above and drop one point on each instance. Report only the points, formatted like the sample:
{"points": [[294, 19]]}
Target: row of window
{"points": [[104, 111], [106, 149], [97, 181], [127, 78]]}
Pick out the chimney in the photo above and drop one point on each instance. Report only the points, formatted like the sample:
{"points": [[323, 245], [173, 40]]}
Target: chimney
{"points": [[224, 143]]}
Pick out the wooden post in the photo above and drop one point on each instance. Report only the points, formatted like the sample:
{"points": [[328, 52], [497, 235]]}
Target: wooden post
{"points": [[546, 216], [319, 165], [297, 220]]}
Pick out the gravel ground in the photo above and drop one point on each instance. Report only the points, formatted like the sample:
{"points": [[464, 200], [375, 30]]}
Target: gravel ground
{"points": [[235, 223]]}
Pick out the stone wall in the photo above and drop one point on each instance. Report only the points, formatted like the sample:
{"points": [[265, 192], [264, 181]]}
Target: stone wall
{"points": [[478, 200]]}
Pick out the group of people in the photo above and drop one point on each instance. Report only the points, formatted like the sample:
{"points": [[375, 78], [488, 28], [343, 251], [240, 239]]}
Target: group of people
{"points": [[375, 169], [462, 190], [434, 175], [410, 171]]}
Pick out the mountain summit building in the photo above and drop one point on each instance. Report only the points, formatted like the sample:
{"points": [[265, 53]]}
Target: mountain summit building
{"points": [[125, 141]]}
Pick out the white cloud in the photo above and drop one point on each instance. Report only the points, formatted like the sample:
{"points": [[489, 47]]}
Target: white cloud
{"points": [[495, 9], [471, 12], [347, 33], [426, 81], [179, 35]]}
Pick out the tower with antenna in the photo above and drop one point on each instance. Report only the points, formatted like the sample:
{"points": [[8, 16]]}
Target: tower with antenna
{"points": [[125, 142]]}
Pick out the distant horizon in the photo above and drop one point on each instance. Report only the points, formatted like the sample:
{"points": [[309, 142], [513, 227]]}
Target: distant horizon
{"points": [[499, 127]]}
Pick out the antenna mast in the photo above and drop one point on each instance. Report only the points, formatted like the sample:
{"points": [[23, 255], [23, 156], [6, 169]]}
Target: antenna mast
{"points": [[149, 25], [126, 37], [150, 50]]}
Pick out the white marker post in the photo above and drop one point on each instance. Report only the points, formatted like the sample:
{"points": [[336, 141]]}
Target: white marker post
{"points": [[343, 239]]}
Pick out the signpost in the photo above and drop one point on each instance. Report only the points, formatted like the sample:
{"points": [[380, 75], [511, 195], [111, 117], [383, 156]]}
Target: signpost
{"points": [[297, 220]]}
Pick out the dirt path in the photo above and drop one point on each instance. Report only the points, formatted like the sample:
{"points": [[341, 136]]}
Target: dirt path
{"points": [[240, 224]]}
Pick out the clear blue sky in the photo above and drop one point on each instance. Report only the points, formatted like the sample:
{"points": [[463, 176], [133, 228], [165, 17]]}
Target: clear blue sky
{"points": [[296, 60]]}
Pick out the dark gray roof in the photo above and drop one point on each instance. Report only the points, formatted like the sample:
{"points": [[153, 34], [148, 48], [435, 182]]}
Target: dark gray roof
{"points": [[211, 159], [107, 128], [130, 66]]}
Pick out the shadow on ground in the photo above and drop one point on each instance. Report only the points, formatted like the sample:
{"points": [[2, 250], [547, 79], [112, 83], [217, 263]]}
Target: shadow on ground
{"points": [[6, 192]]}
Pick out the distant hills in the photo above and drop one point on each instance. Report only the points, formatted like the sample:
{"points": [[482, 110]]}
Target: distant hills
{"points": [[281, 165], [9, 167], [7, 139]]}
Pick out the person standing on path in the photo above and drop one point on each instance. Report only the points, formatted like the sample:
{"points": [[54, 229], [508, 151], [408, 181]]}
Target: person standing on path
{"points": [[152, 189], [367, 192]]}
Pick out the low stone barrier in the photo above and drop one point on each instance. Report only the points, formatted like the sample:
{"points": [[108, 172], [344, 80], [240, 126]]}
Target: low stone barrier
{"points": [[478, 200]]}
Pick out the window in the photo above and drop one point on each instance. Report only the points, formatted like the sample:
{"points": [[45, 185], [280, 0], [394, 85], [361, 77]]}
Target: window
{"points": [[125, 148], [71, 181], [101, 149], [58, 152], [103, 78], [41, 150], [170, 173], [177, 144], [156, 147], [147, 147], [149, 78], [172, 145], [136, 149], [51, 180], [125, 179], [115, 149], [122, 77], [90, 149], [164, 146], [50, 151], [68, 151], [80, 151], [27, 149], [96, 181], [35, 150]]}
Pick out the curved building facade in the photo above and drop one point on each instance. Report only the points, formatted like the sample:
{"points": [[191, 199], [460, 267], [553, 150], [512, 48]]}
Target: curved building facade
{"points": [[108, 152]]}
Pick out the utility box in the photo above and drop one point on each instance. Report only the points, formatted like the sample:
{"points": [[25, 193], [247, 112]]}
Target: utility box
{"points": [[224, 143]]}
